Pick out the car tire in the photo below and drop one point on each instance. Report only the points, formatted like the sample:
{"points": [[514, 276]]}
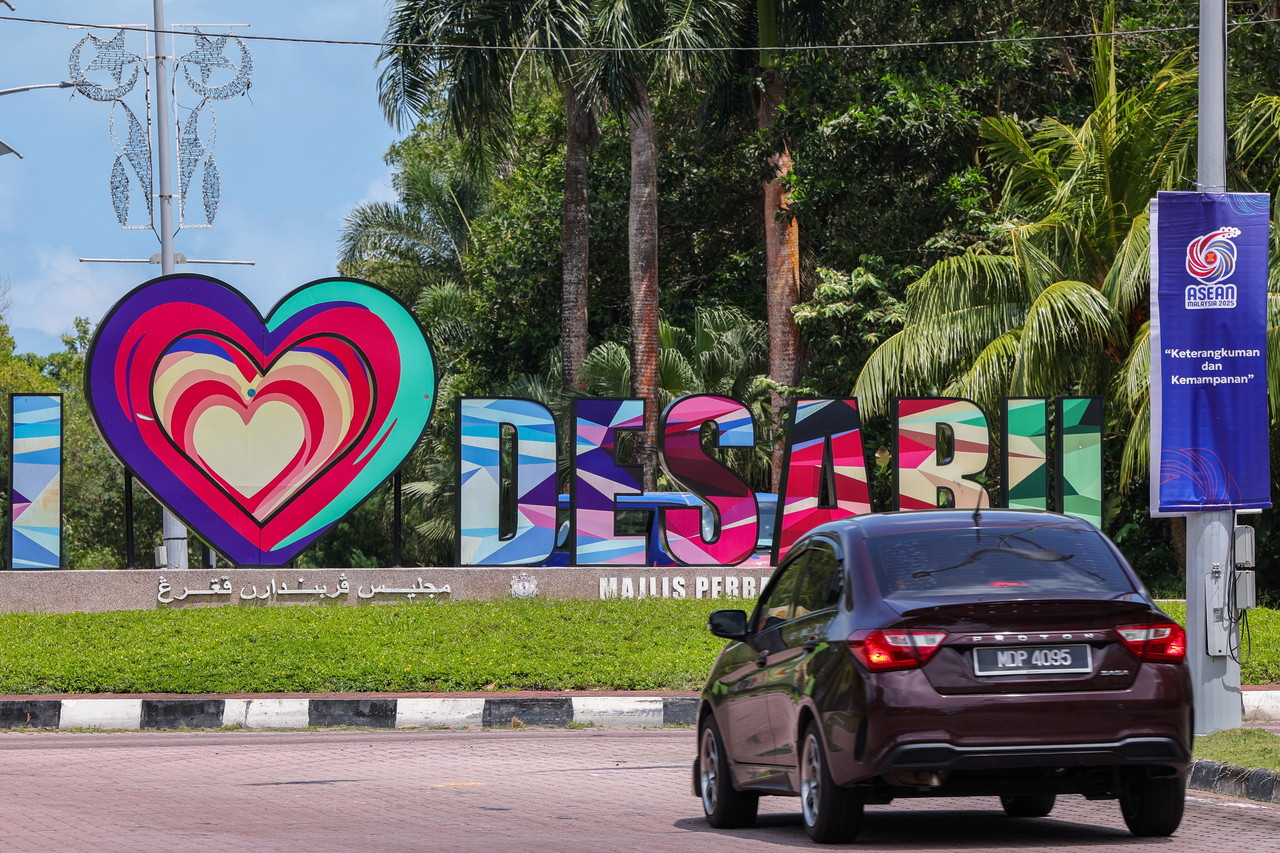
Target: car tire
{"points": [[725, 806], [1152, 808], [1028, 805], [831, 814]]}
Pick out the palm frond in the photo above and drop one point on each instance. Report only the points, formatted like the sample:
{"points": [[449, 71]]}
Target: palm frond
{"points": [[607, 370], [1135, 456], [960, 282], [1273, 348], [1069, 332], [1128, 282], [1132, 387], [990, 375]]}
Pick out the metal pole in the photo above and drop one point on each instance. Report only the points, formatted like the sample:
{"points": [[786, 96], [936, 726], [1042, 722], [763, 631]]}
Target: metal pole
{"points": [[1212, 138], [399, 519], [1214, 674], [128, 521], [175, 534]]}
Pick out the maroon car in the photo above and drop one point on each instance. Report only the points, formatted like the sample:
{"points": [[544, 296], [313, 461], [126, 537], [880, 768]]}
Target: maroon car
{"points": [[947, 653]]}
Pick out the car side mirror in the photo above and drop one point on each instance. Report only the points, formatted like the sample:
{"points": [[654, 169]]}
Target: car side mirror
{"points": [[730, 624]]}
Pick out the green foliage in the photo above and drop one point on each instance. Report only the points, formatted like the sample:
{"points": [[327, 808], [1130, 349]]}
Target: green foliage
{"points": [[885, 140], [722, 352], [845, 318], [364, 539], [422, 647], [1252, 748]]}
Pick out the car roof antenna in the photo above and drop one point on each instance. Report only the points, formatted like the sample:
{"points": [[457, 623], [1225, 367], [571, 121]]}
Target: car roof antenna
{"points": [[977, 519]]}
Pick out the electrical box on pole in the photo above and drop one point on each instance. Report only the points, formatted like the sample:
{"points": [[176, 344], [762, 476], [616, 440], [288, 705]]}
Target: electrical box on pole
{"points": [[1219, 615]]}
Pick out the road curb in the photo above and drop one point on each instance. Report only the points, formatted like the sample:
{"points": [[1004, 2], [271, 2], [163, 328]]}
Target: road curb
{"points": [[498, 711], [1220, 778], [374, 712]]}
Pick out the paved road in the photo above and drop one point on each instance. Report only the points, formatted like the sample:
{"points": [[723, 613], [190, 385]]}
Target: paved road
{"points": [[495, 791]]}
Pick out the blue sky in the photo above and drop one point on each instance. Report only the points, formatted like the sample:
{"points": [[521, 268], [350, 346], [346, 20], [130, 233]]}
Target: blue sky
{"points": [[295, 155]]}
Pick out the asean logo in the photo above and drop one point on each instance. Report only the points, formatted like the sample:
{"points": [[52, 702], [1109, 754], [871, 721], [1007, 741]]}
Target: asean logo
{"points": [[1211, 259]]}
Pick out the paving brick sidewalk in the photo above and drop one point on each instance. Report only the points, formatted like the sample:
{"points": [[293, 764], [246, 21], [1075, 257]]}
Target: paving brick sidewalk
{"points": [[534, 790], [473, 710]]}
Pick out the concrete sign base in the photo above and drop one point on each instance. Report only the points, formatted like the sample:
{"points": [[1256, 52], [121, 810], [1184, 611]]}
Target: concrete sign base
{"points": [[149, 589]]}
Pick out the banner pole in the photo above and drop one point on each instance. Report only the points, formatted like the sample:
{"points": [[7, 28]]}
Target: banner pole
{"points": [[173, 530], [1215, 677]]}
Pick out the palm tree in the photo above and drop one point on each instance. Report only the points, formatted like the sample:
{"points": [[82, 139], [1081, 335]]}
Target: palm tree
{"points": [[1063, 308], [764, 28], [474, 50], [636, 41], [781, 232], [725, 353], [419, 242]]}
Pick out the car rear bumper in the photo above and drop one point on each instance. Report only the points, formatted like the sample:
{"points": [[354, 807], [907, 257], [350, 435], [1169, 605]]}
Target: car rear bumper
{"points": [[945, 756], [909, 726]]}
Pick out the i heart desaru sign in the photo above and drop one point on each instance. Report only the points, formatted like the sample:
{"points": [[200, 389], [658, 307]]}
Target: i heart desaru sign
{"points": [[260, 433]]}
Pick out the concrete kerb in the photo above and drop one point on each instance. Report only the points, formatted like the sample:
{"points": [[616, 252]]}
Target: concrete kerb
{"points": [[267, 712], [1219, 778]]}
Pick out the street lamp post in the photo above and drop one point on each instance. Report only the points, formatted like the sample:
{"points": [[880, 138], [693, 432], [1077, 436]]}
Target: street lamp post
{"points": [[150, 168], [5, 148], [174, 532], [66, 84]]}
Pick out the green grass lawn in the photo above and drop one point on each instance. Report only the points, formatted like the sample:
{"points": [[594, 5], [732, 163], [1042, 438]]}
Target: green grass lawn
{"points": [[463, 645], [1242, 747], [647, 644]]}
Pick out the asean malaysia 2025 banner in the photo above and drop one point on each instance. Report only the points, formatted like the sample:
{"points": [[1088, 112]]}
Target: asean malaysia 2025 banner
{"points": [[1208, 352]]}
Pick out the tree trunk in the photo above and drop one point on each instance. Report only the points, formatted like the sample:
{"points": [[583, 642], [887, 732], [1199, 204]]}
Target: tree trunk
{"points": [[580, 135], [642, 243], [782, 263]]}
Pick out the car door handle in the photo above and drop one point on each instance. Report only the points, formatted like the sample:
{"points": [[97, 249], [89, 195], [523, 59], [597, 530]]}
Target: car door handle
{"points": [[762, 659], [810, 644]]}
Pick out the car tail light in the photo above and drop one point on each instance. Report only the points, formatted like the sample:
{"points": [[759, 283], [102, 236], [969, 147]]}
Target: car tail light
{"points": [[881, 651], [1158, 642]]}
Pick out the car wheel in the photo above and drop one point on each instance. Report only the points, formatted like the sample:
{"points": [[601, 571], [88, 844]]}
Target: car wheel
{"points": [[725, 806], [1028, 805], [831, 814], [1153, 807]]}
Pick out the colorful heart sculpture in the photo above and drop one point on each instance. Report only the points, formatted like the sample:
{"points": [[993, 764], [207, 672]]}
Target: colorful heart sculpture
{"points": [[260, 434]]}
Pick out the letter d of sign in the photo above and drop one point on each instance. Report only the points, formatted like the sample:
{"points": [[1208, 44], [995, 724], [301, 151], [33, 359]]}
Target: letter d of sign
{"points": [[516, 438]]}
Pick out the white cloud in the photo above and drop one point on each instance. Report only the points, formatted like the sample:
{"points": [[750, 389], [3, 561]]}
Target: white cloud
{"points": [[63, 289], [379, 190]]}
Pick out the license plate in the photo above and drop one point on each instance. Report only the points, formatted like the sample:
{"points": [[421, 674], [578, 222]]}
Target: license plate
{"points": [[1031, 660]]}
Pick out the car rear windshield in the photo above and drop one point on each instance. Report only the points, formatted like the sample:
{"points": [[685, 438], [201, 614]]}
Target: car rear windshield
{"points": [[997, 562]]}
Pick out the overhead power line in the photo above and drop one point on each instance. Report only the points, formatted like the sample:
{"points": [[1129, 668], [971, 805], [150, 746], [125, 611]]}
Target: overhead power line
{"points": [[653, 48]]}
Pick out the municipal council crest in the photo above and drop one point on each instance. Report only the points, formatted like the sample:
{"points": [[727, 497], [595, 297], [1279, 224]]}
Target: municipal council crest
{"points": [[523, 586]]}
